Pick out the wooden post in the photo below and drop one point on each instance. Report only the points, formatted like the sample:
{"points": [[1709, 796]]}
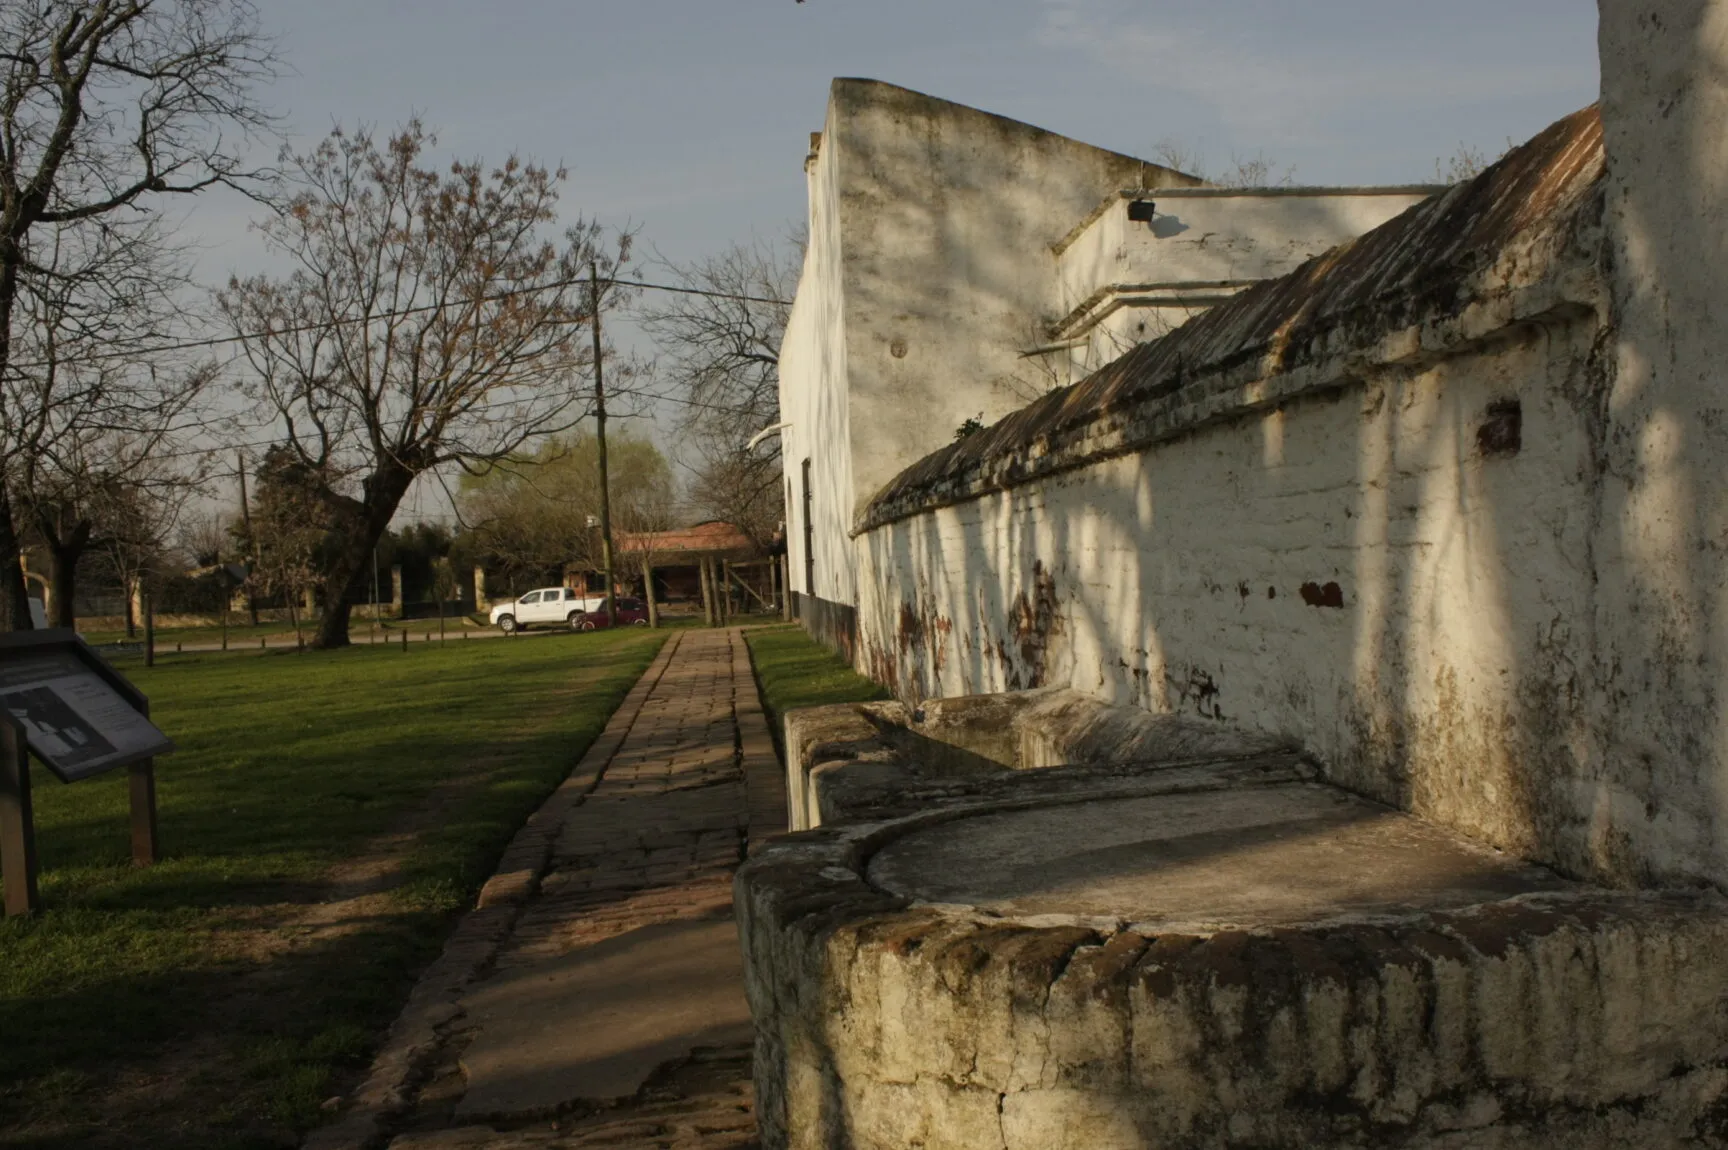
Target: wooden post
{"points": [[246, 518], [785, 591], [648, 592], [141, 778], [17, 823], [149, 625], [726, 592], [707, 595]]}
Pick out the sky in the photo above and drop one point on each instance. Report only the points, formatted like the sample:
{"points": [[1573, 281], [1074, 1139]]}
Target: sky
{"points": [[690, 119]]}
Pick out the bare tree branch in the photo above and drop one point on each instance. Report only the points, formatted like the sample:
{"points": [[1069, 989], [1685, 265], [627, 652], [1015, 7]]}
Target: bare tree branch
{"points": [[428, 321], [103, 104]]}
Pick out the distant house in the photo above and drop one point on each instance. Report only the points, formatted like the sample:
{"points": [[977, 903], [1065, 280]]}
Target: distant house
{"points": [[677, 556]]}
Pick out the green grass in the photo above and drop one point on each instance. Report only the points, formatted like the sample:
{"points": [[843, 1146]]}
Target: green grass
{"points": [[189, 1004], [793, 670]]}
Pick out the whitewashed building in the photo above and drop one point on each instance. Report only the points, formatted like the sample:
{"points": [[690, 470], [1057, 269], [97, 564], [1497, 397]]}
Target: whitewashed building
{"points": [[962, 264]]}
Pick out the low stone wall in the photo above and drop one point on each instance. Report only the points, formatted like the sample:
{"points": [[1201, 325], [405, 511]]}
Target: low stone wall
{"points": [[915, 982], [867, 759]]}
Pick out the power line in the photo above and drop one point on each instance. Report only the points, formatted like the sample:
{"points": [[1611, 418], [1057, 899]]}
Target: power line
{"points": [[224, 340]]}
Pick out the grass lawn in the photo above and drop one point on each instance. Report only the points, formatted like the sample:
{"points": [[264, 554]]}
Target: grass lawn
{"points": [[793, 670], [325, 819]]}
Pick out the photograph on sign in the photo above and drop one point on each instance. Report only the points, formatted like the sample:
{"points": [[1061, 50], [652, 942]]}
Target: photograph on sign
{"points": [[73, 720]]}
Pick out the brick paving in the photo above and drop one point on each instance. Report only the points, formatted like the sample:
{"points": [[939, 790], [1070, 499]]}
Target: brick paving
{"points": [[509, 1030]]}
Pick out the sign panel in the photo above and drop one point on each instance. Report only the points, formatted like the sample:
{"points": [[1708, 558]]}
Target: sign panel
{"points": [[73, 719]]}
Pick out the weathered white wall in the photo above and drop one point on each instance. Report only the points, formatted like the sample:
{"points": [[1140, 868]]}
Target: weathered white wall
{"points": [[948, 215], [813, 396], [1200, 577], [1663, 601], [1124, 282], [929, 270], [1530, 646]]}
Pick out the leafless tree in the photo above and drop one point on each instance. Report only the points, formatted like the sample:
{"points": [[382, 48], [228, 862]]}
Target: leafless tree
{"points": [[105, 104], [206, 539], [290, 526], [139, 520], [739, 488], [720, 354], [428, 322], [94, 412]]}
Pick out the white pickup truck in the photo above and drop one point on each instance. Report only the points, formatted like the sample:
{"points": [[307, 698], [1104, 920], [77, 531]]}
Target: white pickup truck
{"points": [[548, 606]]}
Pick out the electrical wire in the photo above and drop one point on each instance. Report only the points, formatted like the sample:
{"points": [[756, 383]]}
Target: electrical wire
{"points": [[224, 340]]}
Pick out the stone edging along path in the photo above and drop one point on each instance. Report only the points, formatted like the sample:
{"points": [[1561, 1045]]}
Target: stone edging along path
{"points": [[416, 1034]]}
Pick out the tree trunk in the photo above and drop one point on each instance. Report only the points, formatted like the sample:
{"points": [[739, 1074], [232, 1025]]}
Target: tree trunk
{"points": [[14, 597], [648, 592], [64, 552], [345, 581]]}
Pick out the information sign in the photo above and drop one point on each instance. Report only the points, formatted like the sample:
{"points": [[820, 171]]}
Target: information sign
{"points": [[61, 702], [74, 721]]}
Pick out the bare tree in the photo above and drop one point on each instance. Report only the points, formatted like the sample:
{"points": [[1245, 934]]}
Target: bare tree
{"points": [[428, 322], [739, 488], [139, 520], [289, 527], [94, 413], [104, 104], [721, 356]]}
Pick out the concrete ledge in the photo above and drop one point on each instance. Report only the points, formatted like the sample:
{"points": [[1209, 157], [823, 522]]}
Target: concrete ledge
{"points": [[1496, 1006], [873, 760]]}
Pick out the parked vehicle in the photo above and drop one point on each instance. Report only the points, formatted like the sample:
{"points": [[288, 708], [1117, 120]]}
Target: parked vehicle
{"points": [[631, 613], [547, 606]]}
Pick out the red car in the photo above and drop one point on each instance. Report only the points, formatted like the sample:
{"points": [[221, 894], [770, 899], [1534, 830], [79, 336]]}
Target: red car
{"points": [[631, 612]]}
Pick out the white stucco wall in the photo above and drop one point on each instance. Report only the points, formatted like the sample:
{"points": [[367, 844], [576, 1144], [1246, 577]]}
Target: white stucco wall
{"points": [[1124, 282], [1431, 661], [948, 215], [813, 397], [1663, 536], [929, 269], [1528, 645]]}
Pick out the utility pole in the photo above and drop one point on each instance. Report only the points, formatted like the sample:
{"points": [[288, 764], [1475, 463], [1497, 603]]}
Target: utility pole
{"points": [[600, 442], [246, 518]]}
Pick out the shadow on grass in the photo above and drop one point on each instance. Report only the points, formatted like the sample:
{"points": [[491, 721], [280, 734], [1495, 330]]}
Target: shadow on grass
{"points": [[295, 1028]]}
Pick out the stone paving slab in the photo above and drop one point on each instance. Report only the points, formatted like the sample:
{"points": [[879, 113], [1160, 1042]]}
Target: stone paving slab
{"points": [[595, 996], [595, 1023]]}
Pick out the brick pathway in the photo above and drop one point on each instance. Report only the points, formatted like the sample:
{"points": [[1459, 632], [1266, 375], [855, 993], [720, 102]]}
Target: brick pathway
{"points": [[595, 998]]}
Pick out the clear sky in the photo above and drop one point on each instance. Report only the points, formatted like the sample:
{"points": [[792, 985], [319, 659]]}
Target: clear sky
{"points": [[691, 118]]}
